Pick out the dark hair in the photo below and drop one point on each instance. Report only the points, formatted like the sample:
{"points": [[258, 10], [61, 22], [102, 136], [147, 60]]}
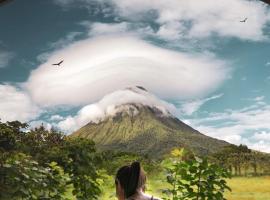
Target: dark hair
{"points": [[131, 177]]}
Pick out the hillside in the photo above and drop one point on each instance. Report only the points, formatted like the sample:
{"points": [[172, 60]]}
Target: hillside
{"points": [[146, 129]]}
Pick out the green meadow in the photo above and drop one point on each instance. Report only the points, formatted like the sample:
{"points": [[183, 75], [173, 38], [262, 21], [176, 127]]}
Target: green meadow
{"points": [[243, 188], [249, 188]]}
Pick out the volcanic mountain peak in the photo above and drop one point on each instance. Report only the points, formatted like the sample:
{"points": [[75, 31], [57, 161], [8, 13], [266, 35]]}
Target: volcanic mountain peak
{"points": [[127, 101], [136, 121], [132, 109]]}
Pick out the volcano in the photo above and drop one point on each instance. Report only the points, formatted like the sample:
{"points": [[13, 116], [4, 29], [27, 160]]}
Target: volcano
{"points": [[144, 125]]}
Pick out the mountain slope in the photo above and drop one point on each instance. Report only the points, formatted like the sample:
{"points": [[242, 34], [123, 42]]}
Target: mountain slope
{"points": [[146, 129]]}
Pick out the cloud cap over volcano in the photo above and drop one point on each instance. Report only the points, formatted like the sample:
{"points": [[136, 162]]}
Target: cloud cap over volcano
{"points": [[113, 103]]}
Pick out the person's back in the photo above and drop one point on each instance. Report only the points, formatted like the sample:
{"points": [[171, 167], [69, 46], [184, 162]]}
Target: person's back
{"points": [[130, 183]]}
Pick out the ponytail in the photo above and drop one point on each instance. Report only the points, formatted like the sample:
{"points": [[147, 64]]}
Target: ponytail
{"points": [[131, 178], [132, 186]]}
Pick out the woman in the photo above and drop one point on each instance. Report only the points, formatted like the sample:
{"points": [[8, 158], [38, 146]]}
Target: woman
{"points": [[130, 183]]}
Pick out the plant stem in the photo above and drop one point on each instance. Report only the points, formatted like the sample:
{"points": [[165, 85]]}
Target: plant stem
{"points": [[199, 187]]}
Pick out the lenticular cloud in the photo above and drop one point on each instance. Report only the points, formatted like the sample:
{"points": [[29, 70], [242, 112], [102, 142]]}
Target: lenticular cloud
{"points": [[95, 67]]}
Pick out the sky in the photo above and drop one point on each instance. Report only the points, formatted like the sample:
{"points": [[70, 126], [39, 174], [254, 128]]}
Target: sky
{"points": [[195, 58]]}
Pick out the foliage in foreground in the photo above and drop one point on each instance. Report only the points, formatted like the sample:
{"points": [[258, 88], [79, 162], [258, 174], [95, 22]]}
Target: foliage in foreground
{"points": [[24, 178], [41, 164], [195, 179]]}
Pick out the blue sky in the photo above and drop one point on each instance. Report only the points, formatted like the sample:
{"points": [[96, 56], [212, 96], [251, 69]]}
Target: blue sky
{"points": [[210, 69]]}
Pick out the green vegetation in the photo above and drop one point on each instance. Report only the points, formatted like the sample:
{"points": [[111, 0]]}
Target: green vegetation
{"points": [[195, 179], [23, 178], [243, 188], [41, 164], [240, 160], [45, 164]]}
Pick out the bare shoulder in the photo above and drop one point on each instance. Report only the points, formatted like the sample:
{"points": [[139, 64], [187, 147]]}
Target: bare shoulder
{"points": [[154, 198], [149, 197]]}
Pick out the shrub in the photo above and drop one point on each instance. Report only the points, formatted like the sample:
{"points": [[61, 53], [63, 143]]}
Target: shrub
{"points": [[195, 179], [22, 178]]}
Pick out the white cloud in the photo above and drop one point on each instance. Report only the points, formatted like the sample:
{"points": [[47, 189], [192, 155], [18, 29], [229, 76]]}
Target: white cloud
{"points": [[267, 63], [261, 145], [235, 135], [120, 100], [190, 107], [233, 126], [262, 136], [259, 98], [97, 28], [139, 30], [204, 17], [193, 18], [15, 104], [56, 118], [5, 58], [171, 31], [94, 67]]}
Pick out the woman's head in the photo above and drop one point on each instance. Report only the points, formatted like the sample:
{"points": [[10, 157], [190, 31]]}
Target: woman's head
{"points": [[129, 179]]}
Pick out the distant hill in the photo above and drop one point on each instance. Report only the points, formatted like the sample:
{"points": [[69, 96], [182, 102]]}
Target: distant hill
{"points": [[146, 129]]}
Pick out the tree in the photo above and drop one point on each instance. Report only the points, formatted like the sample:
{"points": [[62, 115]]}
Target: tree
{"points": [[233, 156], [77, 156], [10, 135], [254, 161], [242, 154], [80, 159]]}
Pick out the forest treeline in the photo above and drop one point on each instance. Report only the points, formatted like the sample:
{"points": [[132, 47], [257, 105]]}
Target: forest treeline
{"points": [[242, 161], [44, 164]]}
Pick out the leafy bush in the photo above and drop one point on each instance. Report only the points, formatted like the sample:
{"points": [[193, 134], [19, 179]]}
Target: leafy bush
{"points": [[22, 178], [195, 179]]}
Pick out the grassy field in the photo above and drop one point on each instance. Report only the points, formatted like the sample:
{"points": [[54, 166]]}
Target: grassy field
{"points": [[243, 188], [253, 188]]}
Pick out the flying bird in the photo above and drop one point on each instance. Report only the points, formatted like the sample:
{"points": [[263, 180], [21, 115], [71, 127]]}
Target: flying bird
{"points": [[140, 87], [244, 20], [58, 64]]}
